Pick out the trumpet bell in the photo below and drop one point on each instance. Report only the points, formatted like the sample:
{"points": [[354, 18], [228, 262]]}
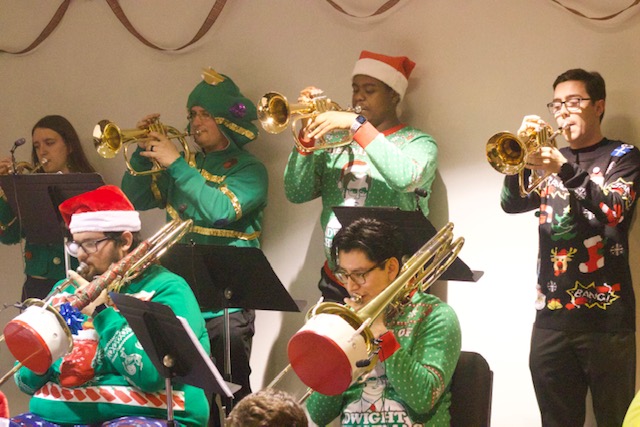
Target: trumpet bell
{"points": [[505, 153], [274, 112]]}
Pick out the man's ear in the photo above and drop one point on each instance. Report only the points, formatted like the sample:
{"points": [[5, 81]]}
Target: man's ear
{"points": [[126, 240], [393, 268]]}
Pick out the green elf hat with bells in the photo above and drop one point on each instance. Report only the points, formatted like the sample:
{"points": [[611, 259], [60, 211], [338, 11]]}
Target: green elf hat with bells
{"points": [[233, 112]]}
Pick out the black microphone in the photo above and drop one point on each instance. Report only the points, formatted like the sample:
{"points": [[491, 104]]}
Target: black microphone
{"points": [[17, 143]]}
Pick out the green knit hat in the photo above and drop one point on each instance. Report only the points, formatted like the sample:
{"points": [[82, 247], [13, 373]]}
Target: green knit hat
{"points": [[233, 112]]}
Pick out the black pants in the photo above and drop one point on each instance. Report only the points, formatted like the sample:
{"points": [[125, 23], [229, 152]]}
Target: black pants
{"points": [[565, 364], [241, 328]]}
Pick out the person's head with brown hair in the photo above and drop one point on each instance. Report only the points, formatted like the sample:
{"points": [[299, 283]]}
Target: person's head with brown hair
{"points": [[267, 408]]}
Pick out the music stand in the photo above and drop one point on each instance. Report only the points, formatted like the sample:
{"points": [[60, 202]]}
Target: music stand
{"points": [[172, 347], [416, 231], [224, 277], [34, 199]]}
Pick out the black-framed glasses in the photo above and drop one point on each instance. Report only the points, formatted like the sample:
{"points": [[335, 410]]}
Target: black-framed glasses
{"points": [[202, 114], [358, 278], [572, 104], [89, 247]]}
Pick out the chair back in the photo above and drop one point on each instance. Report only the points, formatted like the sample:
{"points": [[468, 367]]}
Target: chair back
{"points": [[471, 390]]}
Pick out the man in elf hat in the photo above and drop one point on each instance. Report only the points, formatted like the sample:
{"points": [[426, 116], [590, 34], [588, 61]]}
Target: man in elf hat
{"points": [[224, 191], [108, 379], [401, 159]]}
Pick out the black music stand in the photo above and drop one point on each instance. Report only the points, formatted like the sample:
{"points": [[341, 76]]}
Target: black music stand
{"points": [[224, 277], [416, 230], [34, 199], [172, 347]]}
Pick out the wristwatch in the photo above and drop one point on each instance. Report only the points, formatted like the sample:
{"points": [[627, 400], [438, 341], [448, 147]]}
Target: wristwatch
{"points": [[359, 121], [98, 309]]}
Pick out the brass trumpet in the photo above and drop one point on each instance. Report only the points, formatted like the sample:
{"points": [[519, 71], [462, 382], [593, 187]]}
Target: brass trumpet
{"points": [[109, 139], [23, 168], [276, 114], [507, 154], [332, 377]]}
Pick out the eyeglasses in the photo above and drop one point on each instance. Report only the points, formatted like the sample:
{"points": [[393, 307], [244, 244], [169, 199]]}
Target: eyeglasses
{"points": [[358, 278], [572, 104], [89, 247], [204, 115]]}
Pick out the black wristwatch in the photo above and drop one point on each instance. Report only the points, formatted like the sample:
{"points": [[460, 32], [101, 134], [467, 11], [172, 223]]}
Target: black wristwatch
{"points": [[98, 309], [359, 121]]}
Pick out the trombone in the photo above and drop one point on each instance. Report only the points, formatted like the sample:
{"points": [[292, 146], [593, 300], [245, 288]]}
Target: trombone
{"points": [[507, 154], [276, 114], [40, 335], [109, 139], [334, 326]]}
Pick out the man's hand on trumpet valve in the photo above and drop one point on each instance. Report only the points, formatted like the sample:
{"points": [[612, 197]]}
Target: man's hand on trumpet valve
{"points": [[329, 121], [160, 148], [530, 125], [548, 159]]}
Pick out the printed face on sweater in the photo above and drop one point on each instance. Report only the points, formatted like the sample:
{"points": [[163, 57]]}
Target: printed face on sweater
{"points": [[363, 276], [585, 121]]}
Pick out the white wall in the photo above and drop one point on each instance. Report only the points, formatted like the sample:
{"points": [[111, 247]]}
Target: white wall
{"points": [[482, 65]]}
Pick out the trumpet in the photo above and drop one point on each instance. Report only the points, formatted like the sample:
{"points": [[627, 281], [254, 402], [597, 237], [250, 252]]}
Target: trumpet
{"points": [[507, 154], [22, 168], [276, 114], [336, 348], [40, 335], [109, 139]]}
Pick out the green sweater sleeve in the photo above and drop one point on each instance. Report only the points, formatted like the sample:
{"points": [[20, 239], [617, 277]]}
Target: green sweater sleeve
{"points": [[145, 191], [303, 176]]}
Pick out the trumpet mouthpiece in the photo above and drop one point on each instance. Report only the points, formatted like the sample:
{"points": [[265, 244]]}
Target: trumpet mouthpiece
{"points": [[356, 298]]}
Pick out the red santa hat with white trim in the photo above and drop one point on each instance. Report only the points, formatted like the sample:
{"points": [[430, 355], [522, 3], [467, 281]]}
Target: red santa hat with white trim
{"points": [[394, 71], [104, 209]]}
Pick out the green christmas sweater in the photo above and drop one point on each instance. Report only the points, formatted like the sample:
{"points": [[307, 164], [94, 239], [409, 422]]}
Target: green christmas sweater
{"points": [[411, 387], [108, 374], [385, 173], [224, 192], [584, 215]]}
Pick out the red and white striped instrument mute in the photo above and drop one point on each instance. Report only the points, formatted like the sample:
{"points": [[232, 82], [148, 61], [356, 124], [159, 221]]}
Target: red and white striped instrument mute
{"points": [[110, 394]]}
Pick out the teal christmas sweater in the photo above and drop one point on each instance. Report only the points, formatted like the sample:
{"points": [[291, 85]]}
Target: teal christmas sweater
{"points": [[385, 173], [224, 192], [40, 260], [108, 374], [584, 217], [412, 386]]}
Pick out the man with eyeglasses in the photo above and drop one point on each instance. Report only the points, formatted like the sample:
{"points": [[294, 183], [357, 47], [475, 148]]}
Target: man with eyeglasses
{"points": [[108, 379], [396, 161], [584, 332], [223, 190], [419, 339]]}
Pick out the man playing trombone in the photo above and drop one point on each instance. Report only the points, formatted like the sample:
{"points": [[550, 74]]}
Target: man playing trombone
{"points": [[419, 338], [388, 163], [583, 336], [108, 379]]}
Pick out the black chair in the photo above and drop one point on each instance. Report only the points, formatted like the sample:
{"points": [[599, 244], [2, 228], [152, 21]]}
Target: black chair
{"points": [[471, 388]]}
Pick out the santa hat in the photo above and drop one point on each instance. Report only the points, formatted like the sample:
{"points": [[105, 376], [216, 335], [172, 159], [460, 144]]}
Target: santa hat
{"points": [[391, 70], [104, 209]]}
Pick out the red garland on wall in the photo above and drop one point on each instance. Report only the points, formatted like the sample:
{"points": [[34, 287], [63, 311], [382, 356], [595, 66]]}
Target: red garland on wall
{"points": [[600, 18]]}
